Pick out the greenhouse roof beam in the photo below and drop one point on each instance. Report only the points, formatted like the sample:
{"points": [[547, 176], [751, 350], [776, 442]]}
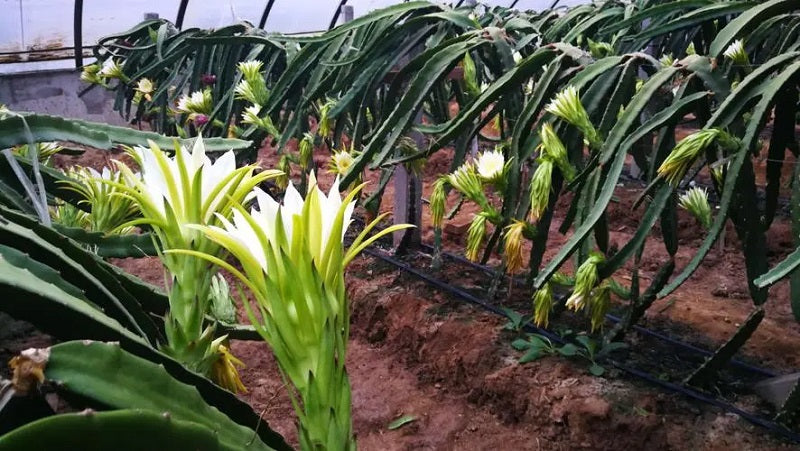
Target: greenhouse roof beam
{"points": [[267, 9], [336, 14], [181, 13]]}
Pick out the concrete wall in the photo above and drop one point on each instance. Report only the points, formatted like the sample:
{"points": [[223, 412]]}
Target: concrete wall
{"points": [[56, 92]]}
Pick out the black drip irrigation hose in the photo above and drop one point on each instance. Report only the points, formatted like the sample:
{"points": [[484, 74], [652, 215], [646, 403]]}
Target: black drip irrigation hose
{"points": [[764, 372], [528, 327]]}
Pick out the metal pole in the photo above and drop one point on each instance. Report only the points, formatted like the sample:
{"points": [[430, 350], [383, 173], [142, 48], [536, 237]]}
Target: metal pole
{"points": [[335, 17], [181, 14], [77, 28], [264, 16]]}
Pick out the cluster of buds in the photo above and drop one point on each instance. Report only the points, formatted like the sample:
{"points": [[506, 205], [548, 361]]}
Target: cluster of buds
{"points": [[686, 152], [104, 192], [198, 105], [567, 106], [91, 74], [252, 87], [695, 201], [589, 291]]}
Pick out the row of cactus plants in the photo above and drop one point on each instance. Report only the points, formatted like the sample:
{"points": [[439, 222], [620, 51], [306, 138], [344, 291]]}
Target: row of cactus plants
{"points": [[568, 111], [570, 92]]}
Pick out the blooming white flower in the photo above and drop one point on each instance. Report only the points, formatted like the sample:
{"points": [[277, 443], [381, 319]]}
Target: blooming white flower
{"points": [[341, 162], [490, 164], [517, 57], [162, 182], [736, 52], [111, 69], [250, 115], [198, 102], [145, 88], [261, 227]]}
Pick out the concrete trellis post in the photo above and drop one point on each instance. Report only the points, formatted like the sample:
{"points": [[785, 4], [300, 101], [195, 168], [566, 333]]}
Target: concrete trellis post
{"points": [[408, 199], [407, 186]]}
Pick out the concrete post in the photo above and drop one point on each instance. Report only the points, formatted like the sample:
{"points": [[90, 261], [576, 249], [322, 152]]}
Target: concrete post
{"points": [[346, 13]]}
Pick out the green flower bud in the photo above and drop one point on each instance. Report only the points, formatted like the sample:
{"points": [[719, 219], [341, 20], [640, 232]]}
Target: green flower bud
{"points": [[555, 149], [687, 151], [306, 150], [251, 70], [667, 60], [567, 105], [599, 305], [222, 306], [471, 76], [285, 166], [325, 123], [585, 281], [437, 202], [542, 305], [695, 201], [513, 246], [465, 180], [541, 184], [475, 236]]}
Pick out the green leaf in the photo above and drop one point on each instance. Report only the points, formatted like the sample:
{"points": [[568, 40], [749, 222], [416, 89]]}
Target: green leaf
{"points": [[400, 422], [597, 370], [531, 355], [125, 430], [568, 350], [520, 344], [747, 21], [107, 374]]}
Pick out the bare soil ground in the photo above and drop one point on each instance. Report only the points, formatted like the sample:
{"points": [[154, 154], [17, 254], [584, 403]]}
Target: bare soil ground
{"points": [[416, 352]]}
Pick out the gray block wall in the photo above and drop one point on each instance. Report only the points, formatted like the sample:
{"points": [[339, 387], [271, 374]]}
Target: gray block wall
{"points": [[57, 92]]}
